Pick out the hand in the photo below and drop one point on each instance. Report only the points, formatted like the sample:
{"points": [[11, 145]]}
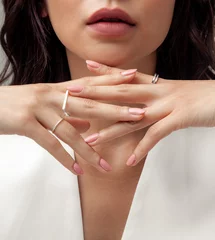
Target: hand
{"points": [[30, 110], [170, 105]]}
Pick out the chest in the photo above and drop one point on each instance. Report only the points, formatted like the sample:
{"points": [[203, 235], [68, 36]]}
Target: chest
{"points": [[105, 207]]}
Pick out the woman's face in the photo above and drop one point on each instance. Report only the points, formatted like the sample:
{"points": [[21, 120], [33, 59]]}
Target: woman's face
{"points": [[153, 19]]}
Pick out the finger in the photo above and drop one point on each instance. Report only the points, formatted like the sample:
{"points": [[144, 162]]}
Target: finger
{"points": [[90, 109], [108, 80], [114, 79], [49, 142], [152, 115], [121, 93], [79, 124], [102, 69], [70, 136], [155, 133]]}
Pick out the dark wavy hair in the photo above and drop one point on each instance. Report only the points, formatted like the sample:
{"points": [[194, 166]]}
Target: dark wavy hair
{"points": [[36, 55]]}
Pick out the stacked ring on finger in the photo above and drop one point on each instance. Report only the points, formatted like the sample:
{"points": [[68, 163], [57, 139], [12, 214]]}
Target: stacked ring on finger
{"points": [[55, 126], [155, 78], [64, 103], [64, 110]]}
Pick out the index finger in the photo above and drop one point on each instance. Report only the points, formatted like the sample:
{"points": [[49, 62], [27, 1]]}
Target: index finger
{"points": [[101, 69], [103, 80]]}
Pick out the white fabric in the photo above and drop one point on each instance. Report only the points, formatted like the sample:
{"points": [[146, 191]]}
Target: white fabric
{"points": [[174, 199]]}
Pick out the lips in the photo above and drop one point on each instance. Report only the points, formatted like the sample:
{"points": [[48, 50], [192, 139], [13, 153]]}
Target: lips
{"points": [[107, 15]]}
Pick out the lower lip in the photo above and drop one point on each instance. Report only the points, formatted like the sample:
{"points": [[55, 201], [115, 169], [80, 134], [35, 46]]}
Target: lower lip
{"points": [[111, 28]]}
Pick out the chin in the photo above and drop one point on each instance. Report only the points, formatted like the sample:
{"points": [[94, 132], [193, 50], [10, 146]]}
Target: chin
{"points": [[111, 61], [110, 56]]}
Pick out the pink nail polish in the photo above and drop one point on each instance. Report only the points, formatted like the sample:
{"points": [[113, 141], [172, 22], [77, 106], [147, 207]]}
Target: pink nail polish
{"points": [[92, 138], [129, 72], [93, 64], [131, 160], [105, 165], [77, 169], [75, 88]]}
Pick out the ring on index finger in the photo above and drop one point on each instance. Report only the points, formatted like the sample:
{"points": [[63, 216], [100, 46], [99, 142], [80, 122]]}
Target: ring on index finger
{"points": [[64, 103]]}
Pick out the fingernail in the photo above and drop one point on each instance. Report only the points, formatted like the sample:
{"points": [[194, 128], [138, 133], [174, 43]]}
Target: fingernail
{"points": [[131, 160], [75, 88], [91, 138], [136, 111], [93, 64], [129, 72], [105, 165], [77, 169]]}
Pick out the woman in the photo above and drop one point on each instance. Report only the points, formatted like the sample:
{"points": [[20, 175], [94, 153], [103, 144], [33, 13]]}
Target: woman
{"points": [[169, 196]]}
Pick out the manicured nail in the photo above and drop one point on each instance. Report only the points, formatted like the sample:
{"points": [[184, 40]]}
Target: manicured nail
{"points": [[131, 160], [91, 138], [75, 88], [77, 169], [105, 165], [129, 72], [136, 111], [93, 64]]}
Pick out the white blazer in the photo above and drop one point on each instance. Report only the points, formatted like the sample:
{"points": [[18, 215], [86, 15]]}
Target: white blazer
{"points": [[174, 198]]}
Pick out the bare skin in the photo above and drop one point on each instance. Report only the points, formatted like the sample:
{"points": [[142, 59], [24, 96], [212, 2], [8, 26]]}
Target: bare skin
{"points": [[38, 108], [106, 198], [32, 110], [137, 50]]}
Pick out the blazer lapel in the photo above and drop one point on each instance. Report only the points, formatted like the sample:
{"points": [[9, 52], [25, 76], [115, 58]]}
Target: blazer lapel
{"points": [[174, 198], [74, 213], [39, 196], [175, 186], [135, 221]]}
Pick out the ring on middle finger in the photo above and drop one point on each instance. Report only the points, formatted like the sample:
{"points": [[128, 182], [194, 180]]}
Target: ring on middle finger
{"points": [[64, 103]]}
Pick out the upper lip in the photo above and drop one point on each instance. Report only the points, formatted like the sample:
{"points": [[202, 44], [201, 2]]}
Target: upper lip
{"points": [[110, 13]]}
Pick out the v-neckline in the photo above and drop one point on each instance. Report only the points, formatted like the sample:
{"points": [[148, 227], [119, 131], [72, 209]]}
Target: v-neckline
{"points": [[136, 204]]}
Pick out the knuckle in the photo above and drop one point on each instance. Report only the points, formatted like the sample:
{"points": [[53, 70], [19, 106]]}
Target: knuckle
{"points": [[95, 158], [32, 102], [71, 135], [154, 132], [89, 104], [133, 124], [109, 70], [169, 88], [41, 88], [89, 90], [141, 150], [54, 144], [87, 79], [24, 118], [121, 110], [122, 88], [182, 124], [39, 91]]}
